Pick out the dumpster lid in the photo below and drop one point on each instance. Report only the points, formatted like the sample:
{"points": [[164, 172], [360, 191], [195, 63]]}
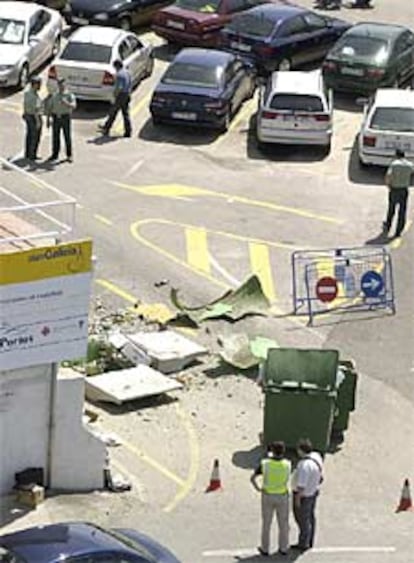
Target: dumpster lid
{"points": [[315, 367]]}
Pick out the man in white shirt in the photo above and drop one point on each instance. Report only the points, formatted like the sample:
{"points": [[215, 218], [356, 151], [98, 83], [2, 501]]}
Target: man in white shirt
{"points": [[307, 480]]}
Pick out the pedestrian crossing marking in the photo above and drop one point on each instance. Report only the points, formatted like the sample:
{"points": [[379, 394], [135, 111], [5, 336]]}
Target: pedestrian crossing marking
{"points": [[197, 248], [260, 264]]}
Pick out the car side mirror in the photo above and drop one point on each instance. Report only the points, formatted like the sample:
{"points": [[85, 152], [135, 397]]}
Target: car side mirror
{"points": [[362, 101], [33, 40]]}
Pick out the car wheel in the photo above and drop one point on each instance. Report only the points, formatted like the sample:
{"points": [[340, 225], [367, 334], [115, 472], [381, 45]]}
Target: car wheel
{"points": [[327, 150], [284, 64], [226, 122], [125, 23], [261, 145], [56, 47], [23, 76]]}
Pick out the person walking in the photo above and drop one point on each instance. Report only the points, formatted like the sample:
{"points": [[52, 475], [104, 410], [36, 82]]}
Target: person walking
{"points": [[275, 472], [307, 480], [32, 115], [59, 108], [398, 180], [123, 87]]}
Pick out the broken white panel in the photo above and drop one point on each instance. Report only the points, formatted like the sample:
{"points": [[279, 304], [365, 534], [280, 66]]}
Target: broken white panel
{"points": [[118, 340], [132, 352], [128, 385], [169, 351]]}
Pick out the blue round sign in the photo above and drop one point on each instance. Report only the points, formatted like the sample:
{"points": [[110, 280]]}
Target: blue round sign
{"points": [[372, 284]]}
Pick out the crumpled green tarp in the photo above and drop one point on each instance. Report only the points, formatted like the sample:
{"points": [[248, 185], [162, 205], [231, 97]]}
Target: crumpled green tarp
{"points": [[244, 353], [247, 299]]}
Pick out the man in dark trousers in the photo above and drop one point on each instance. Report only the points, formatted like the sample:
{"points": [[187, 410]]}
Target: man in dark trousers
{"points": [[123, 87], [398, 180], [32, 114], [59, 107]]}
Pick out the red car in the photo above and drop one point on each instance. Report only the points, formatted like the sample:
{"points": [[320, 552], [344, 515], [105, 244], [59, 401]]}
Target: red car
{"points": [[198, 22]]}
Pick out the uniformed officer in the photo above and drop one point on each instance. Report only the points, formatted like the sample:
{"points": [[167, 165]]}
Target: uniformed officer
{"points": [[59, 107], [275, 470], [398, 180], [32, 115], [123, 87]]}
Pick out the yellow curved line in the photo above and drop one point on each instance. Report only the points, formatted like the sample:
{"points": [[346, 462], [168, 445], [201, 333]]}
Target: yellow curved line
{"points": [[194, 461]]}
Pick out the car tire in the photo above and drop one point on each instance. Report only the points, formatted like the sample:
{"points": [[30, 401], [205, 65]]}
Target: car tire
{"points": [[23, 76], [226, 123], [125, 23], [56, 47], [284, 64], [327, 150], [261, 146]]}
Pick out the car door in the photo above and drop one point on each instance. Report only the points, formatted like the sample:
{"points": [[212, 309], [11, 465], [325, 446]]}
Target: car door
{"points": [[321, 35], [403, 57], [136, 59], [36, 47], [232, 91], [293, 41]]}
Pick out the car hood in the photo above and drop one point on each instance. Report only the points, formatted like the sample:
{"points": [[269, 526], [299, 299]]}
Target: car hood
{"points": [[96, 7], [186, 90], [162, 554], [181, 13], [11, 54], [340, 24]]}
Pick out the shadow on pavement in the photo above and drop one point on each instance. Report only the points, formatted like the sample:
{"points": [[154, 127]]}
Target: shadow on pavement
{"points": [[360, 174], [291, 556], [166, 52], [248, 459], [104, 139], [177, 135], [380, 240], [137, 405], [347, 102], [91, 110], [10, 510]]}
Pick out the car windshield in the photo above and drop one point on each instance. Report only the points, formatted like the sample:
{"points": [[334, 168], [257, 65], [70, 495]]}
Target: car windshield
{"points": [[207, 6], [251, 24], [11, 31], [393, 119], [362, 47], [192, 74], [86, 53], [296, 102]]}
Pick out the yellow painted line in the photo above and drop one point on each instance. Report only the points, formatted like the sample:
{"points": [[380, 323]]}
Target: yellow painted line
{"points": [[10, 109], [117, 290], [103, 219], [153, 463], [136, 108], [197, 248], [260, 263], [163, 191], [194, 460]]}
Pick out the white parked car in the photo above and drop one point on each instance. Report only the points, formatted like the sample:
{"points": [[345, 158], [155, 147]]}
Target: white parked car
{"points": [[388, 124], [295, 108], [29, 35], [87, 60]]}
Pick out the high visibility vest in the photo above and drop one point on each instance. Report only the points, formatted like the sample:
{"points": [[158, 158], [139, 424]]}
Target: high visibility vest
{"points": [[276, 473]]}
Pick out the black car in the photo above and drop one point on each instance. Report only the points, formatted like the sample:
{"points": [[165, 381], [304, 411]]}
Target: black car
{"points": [[281, 37], [202, 87], [54, 4], [370, 56], [118, 13]]}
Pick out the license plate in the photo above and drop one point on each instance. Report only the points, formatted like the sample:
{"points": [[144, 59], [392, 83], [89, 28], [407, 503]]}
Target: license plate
{"points": [[81, 21], [352, 71], [187, 116], [78, 79], [396, 145], [175, 24], [241, 46]]}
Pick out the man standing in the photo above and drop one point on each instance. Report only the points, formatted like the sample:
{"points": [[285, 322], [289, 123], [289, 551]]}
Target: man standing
{"points": [[123, 87], [275, 471], [307, 480], [32, 114], [398, 180], [59, 106]]}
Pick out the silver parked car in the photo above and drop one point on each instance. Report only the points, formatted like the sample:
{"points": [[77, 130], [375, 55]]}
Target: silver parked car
{"points": [[29, 35]]}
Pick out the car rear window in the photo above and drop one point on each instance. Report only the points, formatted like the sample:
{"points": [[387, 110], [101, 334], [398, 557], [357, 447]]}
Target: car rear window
{"points": [[86, 53], [393, 119], [361, 46], [207, 6], [192, 75], [251, 24], [11, 31], [295, 102]]}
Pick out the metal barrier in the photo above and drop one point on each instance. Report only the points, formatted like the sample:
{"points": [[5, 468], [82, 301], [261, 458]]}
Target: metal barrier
{"points": [[342, 279]]}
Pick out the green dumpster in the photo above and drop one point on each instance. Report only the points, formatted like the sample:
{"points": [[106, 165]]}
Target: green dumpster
{"points": [[345, 403], [300, 396]]}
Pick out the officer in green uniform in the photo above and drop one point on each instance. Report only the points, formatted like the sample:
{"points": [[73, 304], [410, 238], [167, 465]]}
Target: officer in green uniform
{"points": [[398, 180], [275, 470], [59, 107], [32, 115]]}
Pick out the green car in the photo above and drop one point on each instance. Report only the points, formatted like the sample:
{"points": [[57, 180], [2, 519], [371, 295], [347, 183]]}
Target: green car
{"points": [[370, 56]]}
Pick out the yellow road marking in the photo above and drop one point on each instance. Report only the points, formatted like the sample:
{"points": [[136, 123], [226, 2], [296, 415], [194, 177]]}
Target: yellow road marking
{"points": [[260, 263], [166, 190], [194, 460], [119, 125], [10, 109], [117, 290], [197, 248], [103, 219]]}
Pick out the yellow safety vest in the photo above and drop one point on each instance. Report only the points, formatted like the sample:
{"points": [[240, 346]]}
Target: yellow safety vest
{"points": [[276, 473]]}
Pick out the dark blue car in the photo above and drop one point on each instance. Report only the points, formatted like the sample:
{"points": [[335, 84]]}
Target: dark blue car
{"points": [[281, 37], [78, 542], [203, 87]]}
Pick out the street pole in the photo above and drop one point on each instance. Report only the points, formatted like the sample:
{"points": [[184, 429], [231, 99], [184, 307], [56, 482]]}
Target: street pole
{"points": [[51, 425]]}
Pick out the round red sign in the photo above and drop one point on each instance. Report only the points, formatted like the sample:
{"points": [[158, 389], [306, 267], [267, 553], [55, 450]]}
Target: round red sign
{"points": [[326, 289]]}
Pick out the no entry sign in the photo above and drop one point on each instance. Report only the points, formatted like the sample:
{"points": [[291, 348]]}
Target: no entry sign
{"points": [[326, 289]]}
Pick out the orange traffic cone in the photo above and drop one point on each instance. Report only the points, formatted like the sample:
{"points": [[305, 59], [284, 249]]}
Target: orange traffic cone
{"points": [[215, 481], [406, 502]]}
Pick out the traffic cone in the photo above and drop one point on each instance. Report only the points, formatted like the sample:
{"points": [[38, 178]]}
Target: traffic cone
{"points": [[406, 502], [215, 481]]}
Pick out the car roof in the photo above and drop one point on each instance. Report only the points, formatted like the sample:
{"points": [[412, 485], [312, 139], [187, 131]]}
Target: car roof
{"points": [[43, 544], [97, 35], [207, 57], [379, 30], [18, 10], [393, 97], [276, 12], [297, 82]]}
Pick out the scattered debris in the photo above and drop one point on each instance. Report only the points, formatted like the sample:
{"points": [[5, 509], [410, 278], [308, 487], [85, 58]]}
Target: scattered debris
{"points": [[108, 438], [161, 283], [242, 353]]}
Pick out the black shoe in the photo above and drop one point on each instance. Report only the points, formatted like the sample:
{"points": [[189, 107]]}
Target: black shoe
{"points": [[263, 552], [299, 547], [127, 135], [281, 552], [69, 159], [52, 158]]}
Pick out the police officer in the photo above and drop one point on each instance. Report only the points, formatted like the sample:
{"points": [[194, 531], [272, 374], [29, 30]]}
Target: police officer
{"points": [[123, 87], [398, 180], [32, 115], [275, 471], [59, 107]]}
